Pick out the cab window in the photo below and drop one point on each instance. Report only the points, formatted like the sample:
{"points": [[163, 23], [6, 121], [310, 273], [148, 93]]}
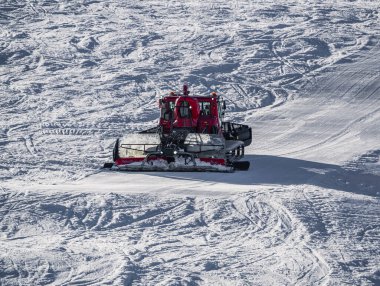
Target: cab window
{"points": [[205, 108], [184, 110], [167, 111]]}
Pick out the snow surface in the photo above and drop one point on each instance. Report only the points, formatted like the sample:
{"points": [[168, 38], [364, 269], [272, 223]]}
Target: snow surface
{"points": [[76, 75]]}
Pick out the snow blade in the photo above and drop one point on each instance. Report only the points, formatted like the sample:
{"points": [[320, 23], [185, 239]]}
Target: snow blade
{"points": [[183, 168], [241, 165]]}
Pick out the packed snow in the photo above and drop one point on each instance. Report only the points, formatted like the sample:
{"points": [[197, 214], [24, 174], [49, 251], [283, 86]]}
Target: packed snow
{"points": [[76, 75]]}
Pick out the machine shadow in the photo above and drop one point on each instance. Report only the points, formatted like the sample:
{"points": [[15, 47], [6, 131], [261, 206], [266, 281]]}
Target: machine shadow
{"points": [[275, 170]]}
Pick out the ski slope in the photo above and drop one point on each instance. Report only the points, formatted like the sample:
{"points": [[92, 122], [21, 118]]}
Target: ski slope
{"points": [[76, 75]]}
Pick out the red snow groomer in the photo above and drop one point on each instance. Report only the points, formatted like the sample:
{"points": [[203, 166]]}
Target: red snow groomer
{"points": [[191, 136]]}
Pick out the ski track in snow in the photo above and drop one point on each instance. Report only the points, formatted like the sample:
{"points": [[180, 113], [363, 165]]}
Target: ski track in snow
{"points": [[118, 238], [78, 74]]}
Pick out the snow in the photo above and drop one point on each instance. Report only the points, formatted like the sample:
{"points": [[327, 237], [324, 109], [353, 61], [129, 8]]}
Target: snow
{"points": [[76, 75]]}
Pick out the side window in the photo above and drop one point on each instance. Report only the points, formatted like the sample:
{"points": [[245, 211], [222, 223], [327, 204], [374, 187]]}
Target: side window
{"points": [[205, 108], [220, 112], [163, 112], [167, 113], [220, 109]]}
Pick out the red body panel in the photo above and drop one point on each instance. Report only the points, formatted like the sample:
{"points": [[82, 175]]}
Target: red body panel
{"points": [[186, 112], [125, 161], [214, 161]]}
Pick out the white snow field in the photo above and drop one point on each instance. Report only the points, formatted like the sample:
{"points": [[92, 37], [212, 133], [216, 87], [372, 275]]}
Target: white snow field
{"points": [[76, 74]]}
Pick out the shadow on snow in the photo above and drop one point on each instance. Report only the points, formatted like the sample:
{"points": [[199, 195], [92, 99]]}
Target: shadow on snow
{"points": [[274, 170]]}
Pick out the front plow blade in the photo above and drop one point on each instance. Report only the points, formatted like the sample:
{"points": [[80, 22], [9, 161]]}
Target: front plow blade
{"points": [[163, 166]]}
